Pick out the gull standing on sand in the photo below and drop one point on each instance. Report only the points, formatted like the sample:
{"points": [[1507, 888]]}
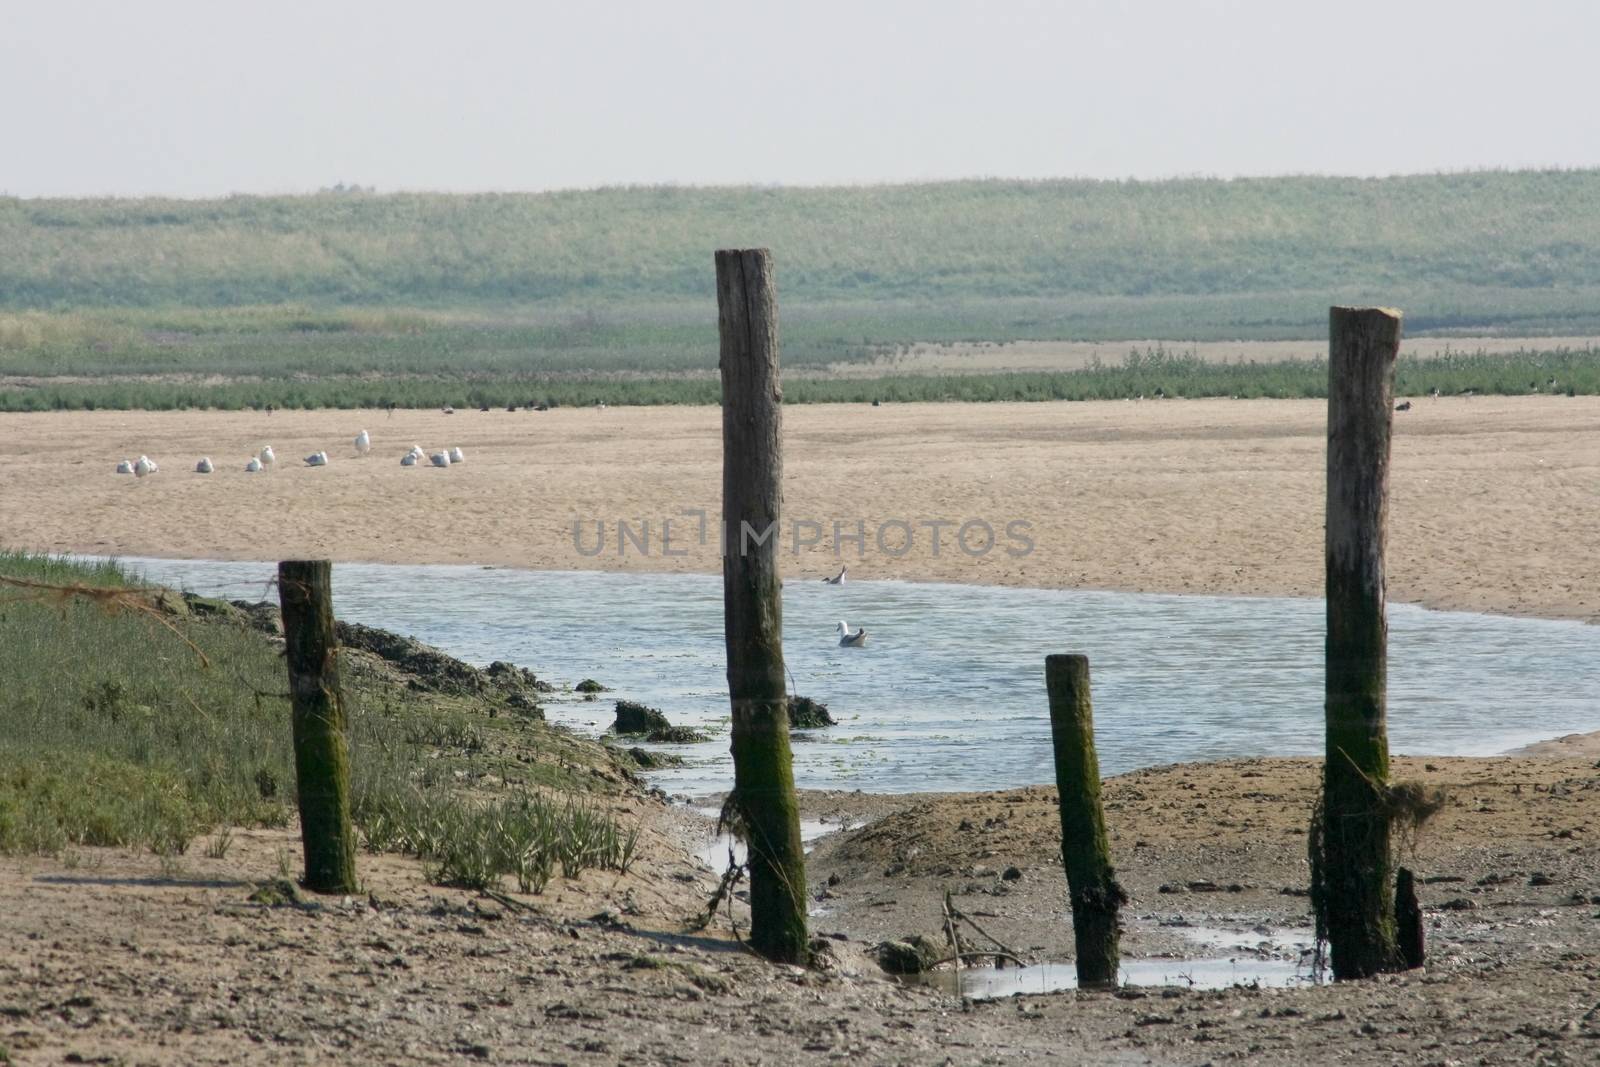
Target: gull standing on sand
{"points": [[440, 459], [253, 466], [456, 456], [363, 443], [851, 640], [408, 460], [125, 467], [267, 457], [143, 467], [837, 579], [204, 466]]}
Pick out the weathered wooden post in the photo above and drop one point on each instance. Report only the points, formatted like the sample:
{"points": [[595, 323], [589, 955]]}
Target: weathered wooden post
{"points": [[1356, 883], [763, 798], [321, 751], [1085, 852], [1410, 934]]}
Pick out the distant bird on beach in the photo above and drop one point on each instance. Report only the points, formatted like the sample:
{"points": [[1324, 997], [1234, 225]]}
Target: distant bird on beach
{"points": [[204, 466], [317, 459], [448, 410], [837, 579], [851, 640], [144, 466], [253, 466], [440, 459], [125, 467], [268, 458], [1404, 405], [408, 460], [363, 443], [456, 455]]}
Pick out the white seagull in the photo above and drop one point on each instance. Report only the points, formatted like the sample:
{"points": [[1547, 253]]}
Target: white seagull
{"points": [[408, 460], [267, 458], [253, 466], [143, 467], [440, 459], [317, 459], [851, 640], [837, 579], [456, 456], [204, 466], [125, 467], [363, 443]]}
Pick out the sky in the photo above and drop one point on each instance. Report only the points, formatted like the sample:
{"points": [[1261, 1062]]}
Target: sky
{"points": [[177, 98]]}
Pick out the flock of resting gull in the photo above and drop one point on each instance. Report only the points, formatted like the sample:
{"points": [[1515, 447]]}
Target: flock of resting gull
{"points": [[448, 457], [145, 466]]}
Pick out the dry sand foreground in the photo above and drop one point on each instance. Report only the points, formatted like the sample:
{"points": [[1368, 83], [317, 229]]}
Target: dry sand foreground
{"points": [[1494, 498]]}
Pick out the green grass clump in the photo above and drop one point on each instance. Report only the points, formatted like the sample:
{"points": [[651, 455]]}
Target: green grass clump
{"points": [[472, 844], [53, 801]]}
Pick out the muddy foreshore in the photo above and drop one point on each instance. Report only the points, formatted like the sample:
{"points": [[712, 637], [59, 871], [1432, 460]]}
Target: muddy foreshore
{"points": [[109, 956]]}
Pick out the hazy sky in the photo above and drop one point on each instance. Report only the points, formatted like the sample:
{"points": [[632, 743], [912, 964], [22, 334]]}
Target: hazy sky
{"points": [[198, 99]]}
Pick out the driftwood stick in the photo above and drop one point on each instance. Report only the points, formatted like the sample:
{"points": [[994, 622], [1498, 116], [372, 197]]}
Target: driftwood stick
{"points": [[950, 931], [958, 957], [1001, 945]]}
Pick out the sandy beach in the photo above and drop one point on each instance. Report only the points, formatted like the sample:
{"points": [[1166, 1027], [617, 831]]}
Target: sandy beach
{"points": [[1493, 504]]}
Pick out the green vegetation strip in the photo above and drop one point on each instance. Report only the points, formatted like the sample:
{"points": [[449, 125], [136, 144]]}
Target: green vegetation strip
{"points": [[1152, 373]]}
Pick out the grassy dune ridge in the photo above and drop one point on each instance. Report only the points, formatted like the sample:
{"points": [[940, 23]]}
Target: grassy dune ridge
{"points": [[437, 293], [1518, 230]]}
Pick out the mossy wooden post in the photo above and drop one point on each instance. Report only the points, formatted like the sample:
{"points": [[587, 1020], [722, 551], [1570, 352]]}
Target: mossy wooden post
{"points": [[1085, 851], [321, 751], [1410, 934], [752, 476], [1357, 881]]}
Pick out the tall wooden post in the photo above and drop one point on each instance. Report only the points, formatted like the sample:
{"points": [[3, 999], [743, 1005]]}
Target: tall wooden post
{"points": [[1357, 894], [1092, 883], [752, 496], [321, 751]]}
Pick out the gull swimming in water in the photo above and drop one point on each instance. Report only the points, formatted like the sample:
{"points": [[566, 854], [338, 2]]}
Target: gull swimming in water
{"points": [[837, 579], [851, 640]]}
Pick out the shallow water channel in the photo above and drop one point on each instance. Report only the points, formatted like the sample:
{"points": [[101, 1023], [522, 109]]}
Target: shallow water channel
{"points": [[949, 692]]}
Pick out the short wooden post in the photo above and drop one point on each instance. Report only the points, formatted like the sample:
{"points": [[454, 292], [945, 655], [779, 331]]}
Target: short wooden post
{"points": [[1085, 851], [1356, 877], [321, 751], [752, 474], [1410, 934]]}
